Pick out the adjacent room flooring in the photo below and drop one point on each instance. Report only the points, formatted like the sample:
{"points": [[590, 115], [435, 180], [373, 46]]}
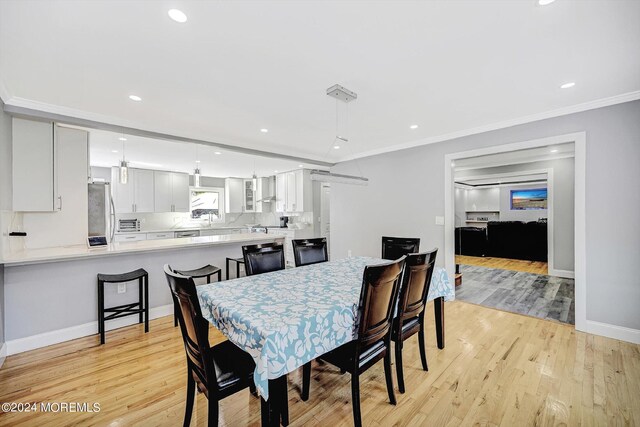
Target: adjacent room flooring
{"points": [[498, 368], [535, 267], [538, 295], [518, 286]]}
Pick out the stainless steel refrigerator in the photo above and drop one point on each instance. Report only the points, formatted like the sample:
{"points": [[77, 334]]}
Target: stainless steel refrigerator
{"points": [[102, 214]]}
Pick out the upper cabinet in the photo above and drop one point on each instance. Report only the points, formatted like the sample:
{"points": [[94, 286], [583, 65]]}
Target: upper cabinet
{"points": [[150, 191], [294, 191], [171, 191], [34, 167], [243, 195], [50, 166], [137, 195]]}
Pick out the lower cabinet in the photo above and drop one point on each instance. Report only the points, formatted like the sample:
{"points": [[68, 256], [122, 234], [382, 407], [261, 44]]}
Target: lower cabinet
{"points": [[130, 237]]}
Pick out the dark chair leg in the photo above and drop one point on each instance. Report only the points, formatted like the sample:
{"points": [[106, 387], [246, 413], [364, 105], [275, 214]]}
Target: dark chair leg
{"points": [[421, 344], [140, 300], [399, 372], [227, 269], [438, 308], [101, 310], [191, 391], [213, 411], [219, 275], [237, 270], [146, 303], [275, 401], [388, 376], [306, 381], [175, 314], [355, 399], [253, 389]]}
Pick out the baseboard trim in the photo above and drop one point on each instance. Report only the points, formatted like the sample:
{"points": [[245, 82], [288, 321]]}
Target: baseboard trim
{"points": [[3, 353], [567, 274], [612, 331], [67, 334]]}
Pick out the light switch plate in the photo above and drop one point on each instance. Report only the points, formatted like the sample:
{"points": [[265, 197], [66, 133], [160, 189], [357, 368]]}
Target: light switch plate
{"points": [[122, 288], [439, 220]]}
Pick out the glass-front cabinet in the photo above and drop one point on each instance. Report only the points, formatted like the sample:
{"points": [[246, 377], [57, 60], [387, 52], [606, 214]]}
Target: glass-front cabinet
{"points": [[249, 192]]}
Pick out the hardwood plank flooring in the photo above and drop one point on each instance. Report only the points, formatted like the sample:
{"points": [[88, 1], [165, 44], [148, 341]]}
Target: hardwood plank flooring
{"points": [[498, 368], [535, 267]]}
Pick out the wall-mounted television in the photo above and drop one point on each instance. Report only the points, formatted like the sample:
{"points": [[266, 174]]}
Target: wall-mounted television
{"points": [[531, 199]]}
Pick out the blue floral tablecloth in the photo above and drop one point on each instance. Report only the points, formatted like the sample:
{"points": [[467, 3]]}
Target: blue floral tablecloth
{"points": [[287, 318]]}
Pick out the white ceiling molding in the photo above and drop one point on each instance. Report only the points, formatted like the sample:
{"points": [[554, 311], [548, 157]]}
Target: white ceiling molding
{"points": [[599, 103], [4, 93]]}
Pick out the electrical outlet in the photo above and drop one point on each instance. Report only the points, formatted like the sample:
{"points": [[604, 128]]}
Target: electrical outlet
{"points": [[122, 288], [439, 220]]}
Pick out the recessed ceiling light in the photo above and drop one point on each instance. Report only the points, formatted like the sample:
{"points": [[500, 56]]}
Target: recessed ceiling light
{"points": [[276, 171], [177, 15], [568, 85], [545, 2], [263, 130], [413, 127], [114, 151], [135, 98], [217, 153], [336, 147], [122, 138], [300, 166], [555, 150]]}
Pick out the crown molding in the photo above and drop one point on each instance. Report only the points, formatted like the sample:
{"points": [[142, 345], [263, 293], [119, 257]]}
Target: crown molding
{"points": [[5, 96], [577, 108]]}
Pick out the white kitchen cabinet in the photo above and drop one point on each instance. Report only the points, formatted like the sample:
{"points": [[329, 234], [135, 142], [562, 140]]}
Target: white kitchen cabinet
{"points": [[160, 236], [137, 195], [34, 166], [281, 192], [68, 224], [130, 237], [294, 191], [171, 191], [234, 195], [249, 193]]}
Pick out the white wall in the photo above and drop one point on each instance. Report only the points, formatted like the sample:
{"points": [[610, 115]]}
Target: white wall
{"points": [[406, 192]]}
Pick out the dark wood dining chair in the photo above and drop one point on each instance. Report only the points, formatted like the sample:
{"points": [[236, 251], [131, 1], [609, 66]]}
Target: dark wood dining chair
{"points": [[218, 371], [263, 258], [412, 299], [380, 285], [199, 273], [310, 251], [395, 247]]}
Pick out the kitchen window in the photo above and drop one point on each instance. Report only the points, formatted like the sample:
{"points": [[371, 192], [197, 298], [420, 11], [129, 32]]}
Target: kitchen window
{"points": [[206, 204]]}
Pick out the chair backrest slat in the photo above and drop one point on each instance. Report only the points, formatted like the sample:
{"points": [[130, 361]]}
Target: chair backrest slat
{"points": [[417, 280], [310, 251], [395, 247], [380, 285], [263, 258], [194, 327]]}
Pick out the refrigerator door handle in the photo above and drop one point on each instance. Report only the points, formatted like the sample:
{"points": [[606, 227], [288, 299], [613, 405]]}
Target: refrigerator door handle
{"points": [[112, 217]]}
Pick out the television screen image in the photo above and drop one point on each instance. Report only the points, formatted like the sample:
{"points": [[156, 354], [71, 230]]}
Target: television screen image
{"points": [[529, 199]]}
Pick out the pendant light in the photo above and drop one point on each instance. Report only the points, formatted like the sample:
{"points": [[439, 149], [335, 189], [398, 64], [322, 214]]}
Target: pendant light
{"points": [[196, 172], [124, 169]]}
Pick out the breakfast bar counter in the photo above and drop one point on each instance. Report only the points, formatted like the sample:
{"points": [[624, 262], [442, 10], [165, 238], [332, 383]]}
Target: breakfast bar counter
{"points": [[50, 295]]}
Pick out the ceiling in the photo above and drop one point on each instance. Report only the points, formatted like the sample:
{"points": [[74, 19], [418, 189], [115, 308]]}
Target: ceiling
{"points": [[551, 152], [106, 150], [236, 67]]}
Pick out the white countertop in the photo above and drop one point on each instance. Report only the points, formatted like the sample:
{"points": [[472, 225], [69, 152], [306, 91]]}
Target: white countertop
{"points": [[65, 253]]}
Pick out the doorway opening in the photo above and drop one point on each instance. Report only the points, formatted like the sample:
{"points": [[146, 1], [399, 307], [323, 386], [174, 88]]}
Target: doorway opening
{"points": [[512, 227]]}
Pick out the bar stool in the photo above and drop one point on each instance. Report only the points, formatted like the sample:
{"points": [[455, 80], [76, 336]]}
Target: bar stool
{"points": [[238, 261], [141, 307], [207, 271]]}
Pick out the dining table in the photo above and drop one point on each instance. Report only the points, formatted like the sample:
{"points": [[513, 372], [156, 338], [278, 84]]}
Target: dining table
{"points": [[286, 318]]}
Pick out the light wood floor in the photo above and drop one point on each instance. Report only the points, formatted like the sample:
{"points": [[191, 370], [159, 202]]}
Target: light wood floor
{"points": [[535, 267], [498, 368]]}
